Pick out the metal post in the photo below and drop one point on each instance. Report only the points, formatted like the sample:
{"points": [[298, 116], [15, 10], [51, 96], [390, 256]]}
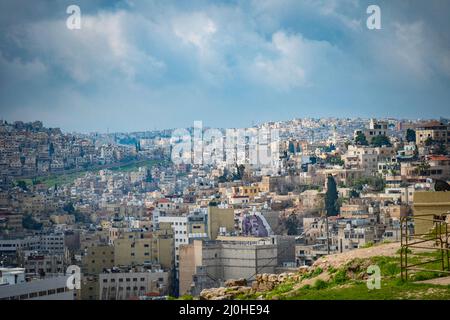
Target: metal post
{"points": [[401, 247], [328, 235]]}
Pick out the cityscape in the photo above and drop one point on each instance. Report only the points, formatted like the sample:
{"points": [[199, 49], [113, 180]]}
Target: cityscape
{"points": [[139, 226], [250, 151]]}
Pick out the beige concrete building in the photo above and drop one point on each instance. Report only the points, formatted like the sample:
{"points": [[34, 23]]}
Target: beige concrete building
{"points": [[97, 258], [350, 238], [428, 203], [136, 248], [131, 284], [376, 128], [434, 130], [220, 219], [207, 263]]}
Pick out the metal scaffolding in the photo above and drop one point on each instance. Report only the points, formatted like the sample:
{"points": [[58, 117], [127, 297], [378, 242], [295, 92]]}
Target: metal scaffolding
{"points": [[436, 239]]}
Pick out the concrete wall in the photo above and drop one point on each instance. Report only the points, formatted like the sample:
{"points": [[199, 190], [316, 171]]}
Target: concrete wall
{"points": [[187, 267], [429, 203], [223, 260], [217, 218]]}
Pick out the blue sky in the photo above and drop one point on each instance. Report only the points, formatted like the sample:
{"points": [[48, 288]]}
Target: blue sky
{"points": [[140, 65]]}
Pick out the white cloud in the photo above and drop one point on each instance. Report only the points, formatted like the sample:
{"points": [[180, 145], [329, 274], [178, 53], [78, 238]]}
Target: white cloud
{"points": [[100, 49], [196, 29], [17, 70], [293, 63], [411, 52]]}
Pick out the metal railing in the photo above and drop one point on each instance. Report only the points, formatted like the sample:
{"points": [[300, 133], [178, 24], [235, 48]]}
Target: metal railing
{"points": [[436, 240]]}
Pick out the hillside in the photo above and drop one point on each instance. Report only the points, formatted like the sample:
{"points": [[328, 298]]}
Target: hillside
{"points": [[344, 277]]}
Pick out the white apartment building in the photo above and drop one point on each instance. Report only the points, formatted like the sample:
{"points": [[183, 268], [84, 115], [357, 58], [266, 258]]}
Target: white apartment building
{"points": [[367, 158], [53, 243], [376, 128], [13, 245], [50, 243], [179, 226]]}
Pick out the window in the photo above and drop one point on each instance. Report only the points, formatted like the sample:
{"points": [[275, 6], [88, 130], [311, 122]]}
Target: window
{"points": [[142, 279]]}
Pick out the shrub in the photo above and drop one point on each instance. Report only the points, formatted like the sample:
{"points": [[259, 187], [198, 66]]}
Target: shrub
{"points": [[320, 284], [368, 244], [316, 272], [331, 270], [306, 287], [340, 277]]}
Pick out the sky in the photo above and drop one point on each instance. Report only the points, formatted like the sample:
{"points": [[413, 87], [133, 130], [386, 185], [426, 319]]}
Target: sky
{"points": [[145, 65]]}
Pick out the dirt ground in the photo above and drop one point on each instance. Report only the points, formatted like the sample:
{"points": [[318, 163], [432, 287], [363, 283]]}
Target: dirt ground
{"points": [[339, 259]]}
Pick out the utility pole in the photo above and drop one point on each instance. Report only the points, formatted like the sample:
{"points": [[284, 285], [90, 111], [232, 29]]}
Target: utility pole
{"points": [[328, 233]]}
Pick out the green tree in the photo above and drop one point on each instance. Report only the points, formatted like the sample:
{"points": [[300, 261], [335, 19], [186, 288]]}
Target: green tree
{"points": [[291, 225], [335, 160], [361, 140], [331, 197], [240, 172], [28, 222], [291, 147], [354, 193], [423, 168], [429, 141], [69, 208], [380, 141], [410, 135], [376, 183], [149, 177], [51, 149], [22, 185], [440, 149]]}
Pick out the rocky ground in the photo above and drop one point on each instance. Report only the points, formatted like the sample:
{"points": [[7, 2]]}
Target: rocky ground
{"points": [[350, 266]]}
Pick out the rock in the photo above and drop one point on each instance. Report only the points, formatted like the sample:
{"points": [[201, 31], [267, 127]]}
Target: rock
{"points": [[272, 278], [244, 290], [236, 282], [282, 277]]}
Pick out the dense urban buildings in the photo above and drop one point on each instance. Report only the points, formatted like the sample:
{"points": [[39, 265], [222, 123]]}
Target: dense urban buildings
{"points": [[140, 226]]}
